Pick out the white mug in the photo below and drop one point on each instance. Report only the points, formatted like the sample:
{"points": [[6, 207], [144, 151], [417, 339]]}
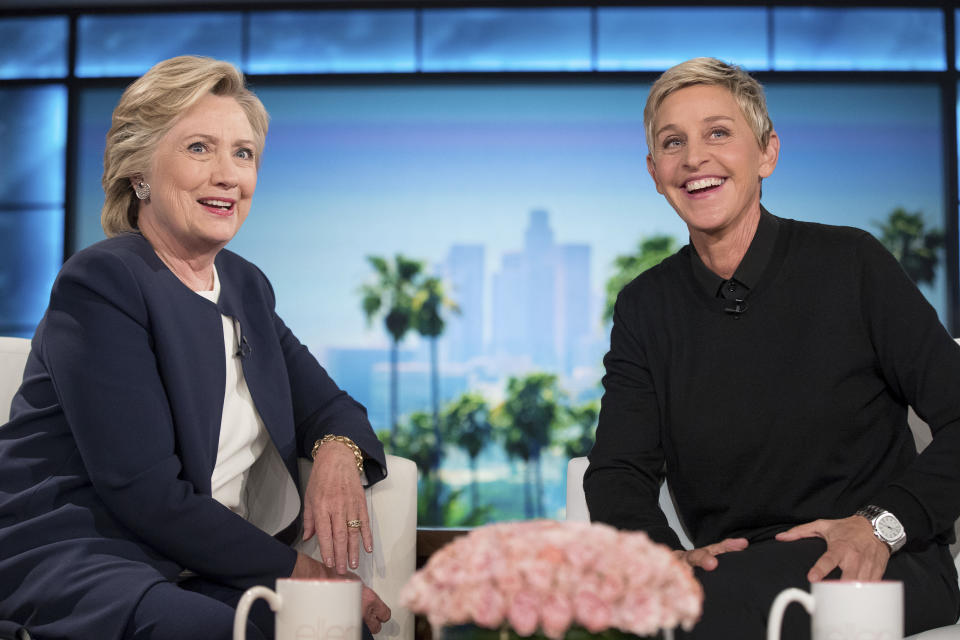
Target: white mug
{"points": [[845, 610], [307, 609]]}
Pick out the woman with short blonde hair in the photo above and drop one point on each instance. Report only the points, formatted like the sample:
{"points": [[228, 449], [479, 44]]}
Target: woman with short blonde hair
{"points": [[709, 71], [765, 371]]}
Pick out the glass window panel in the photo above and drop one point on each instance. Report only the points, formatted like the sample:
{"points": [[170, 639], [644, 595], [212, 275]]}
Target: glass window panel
{"points": [[506, 40], [31, 250], [93, 122], [34, 47], [128, 45], [640, 38], [332, 42], [33, 134], [859, 39]]}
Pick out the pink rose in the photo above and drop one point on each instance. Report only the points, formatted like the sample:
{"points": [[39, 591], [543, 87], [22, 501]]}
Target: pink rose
{"points": [[557, 615], [523, 614], [592, 612], [487, 607]]}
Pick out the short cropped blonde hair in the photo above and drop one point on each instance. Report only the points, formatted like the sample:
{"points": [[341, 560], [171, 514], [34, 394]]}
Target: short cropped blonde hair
{"points": [[148, 109], [709, 71]]}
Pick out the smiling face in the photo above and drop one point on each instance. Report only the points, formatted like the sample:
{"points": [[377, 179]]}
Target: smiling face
{"points": [[202, 179], [706, 160]]}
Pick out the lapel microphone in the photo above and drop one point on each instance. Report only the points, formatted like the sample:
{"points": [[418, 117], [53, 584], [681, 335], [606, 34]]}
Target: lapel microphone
{"points": [[245, 348], [737, 308]]}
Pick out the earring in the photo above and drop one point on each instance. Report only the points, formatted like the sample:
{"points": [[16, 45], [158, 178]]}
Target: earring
{"points": [[142, 190]]}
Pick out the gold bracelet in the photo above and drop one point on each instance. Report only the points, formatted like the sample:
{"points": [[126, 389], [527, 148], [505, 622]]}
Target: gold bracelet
{"points": [[343, 439]]}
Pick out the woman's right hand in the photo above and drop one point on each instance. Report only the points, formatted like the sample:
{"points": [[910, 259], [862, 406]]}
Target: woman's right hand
{"points": [[374, 611], [706, 557]]}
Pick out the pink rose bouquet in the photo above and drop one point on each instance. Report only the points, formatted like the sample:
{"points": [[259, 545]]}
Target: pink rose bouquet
{"points": [[555, 576]]}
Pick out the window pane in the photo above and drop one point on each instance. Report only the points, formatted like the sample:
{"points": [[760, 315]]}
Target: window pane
{"points": [[33, 133], [859, 39], [33, 47], [332, 42], [506, 40], [630, 38], [93, 122], [128, 45], [31, 249]]}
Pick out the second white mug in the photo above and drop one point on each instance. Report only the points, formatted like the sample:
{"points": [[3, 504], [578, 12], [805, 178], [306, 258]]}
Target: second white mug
{"points": [[845, 610]]}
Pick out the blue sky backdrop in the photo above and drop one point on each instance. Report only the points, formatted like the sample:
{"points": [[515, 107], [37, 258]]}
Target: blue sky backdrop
{"points": [[379, 169]]}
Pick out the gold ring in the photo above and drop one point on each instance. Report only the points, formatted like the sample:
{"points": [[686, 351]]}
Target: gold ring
{"points": [[353, 524]]}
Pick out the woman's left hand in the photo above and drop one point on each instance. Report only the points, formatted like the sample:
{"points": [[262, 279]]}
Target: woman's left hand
{"points": [[851, 546], [334, 496]]}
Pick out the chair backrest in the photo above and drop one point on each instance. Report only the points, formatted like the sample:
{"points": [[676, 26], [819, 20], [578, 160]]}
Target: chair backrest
{"points": [[392, 505], [13, 357]]}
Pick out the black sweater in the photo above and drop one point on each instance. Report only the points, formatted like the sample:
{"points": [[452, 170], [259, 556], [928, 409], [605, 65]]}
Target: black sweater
{"points": [[793, 411]]}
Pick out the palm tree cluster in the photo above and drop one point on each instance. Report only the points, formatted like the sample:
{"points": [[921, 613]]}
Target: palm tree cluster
{"points": [[534, 417], [408, 299]]}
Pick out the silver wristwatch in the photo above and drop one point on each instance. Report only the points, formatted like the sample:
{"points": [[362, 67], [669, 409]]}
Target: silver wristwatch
{"points": [[886, 526]]}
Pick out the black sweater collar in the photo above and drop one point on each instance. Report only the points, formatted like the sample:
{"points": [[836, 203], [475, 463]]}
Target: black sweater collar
{"points": [[752, 265]]}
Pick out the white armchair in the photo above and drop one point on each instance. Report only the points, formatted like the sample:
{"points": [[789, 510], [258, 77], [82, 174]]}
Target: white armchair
{"points": [[391, 503], [13, 357]]}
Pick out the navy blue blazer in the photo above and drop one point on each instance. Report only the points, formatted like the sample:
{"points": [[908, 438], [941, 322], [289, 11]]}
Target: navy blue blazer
{"points": [[105, 464]]}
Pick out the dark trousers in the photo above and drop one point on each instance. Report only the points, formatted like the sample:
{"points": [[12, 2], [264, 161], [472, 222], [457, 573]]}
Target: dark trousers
{"points": [[739, 592], [197, 609]]}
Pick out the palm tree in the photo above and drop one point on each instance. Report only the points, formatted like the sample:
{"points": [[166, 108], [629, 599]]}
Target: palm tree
{"points": [[917, 250], [583, 419], [392, 294], [650, 252], [417, 441], [466, 421], [526, 422], [428, 304]]}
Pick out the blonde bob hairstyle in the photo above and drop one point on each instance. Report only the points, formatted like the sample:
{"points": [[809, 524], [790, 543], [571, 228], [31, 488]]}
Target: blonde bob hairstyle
{"points": [[147, 110], [709, 71]]}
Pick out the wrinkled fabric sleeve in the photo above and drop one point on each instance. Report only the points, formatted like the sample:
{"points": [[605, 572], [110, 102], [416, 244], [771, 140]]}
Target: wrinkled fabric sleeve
{"points": [[98, 349], [622, 482], [921, 364], [320, 407]]}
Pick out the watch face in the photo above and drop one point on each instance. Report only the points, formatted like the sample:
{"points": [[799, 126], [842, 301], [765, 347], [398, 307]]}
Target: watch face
{"points": [[889, 527]]}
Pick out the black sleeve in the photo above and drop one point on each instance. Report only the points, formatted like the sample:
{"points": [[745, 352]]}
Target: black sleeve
{"points": [[921, 363], [622, 483]]}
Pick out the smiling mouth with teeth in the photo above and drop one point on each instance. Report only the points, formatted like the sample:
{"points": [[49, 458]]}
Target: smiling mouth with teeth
{"points": [[223, 205], [696, 186]]}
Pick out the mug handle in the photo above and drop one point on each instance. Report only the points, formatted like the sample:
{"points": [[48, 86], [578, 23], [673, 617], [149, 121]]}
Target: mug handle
{"points": [[243, 608], [779, 606]]}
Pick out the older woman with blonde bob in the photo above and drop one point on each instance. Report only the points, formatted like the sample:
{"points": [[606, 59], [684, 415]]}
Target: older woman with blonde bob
{"points": [[765, 370], [149, 468]]}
